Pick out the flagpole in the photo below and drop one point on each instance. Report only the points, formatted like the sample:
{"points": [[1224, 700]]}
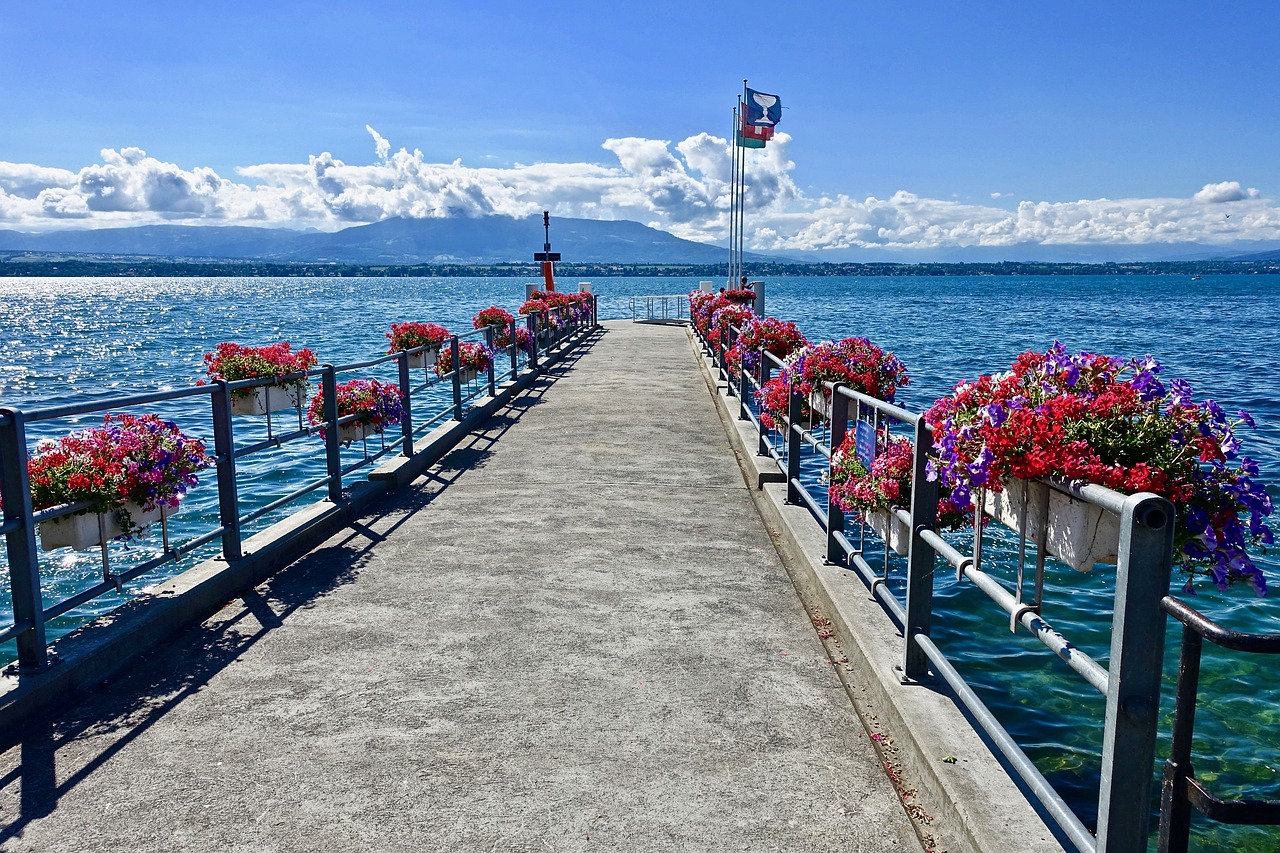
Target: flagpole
{"points": [[742, 190], [732, 196]]}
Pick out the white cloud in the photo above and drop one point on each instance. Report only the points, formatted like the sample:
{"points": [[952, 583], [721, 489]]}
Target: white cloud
{"points": [[681, 187], [1225, 191]]}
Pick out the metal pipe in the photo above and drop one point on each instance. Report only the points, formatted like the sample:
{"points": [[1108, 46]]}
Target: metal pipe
{"points": [[1040, 787], [20, 543], [225, 472]]}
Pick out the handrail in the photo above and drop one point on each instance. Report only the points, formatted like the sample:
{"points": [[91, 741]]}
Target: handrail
{"points": [[19, 521], [1180, 789], [1131, 683]]}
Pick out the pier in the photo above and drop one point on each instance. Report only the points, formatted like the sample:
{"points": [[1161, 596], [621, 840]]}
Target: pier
{"points": [[572, 632]]}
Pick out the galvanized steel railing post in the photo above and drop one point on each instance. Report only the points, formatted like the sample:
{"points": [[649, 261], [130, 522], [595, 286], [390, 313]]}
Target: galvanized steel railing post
{"points": [[332, 447], [744, 391], [24, 562], [531, 323], [514, 350], [455, 365], [1144, 559], [920, 558], [729, 338], [1175, 808], [225, 470], [835, 515], [793, 445], [762, 444], [406, 421], [493, 362]]}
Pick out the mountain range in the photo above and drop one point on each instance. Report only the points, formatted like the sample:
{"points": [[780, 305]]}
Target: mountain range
{"points": [[502, 239], [493, 239]]}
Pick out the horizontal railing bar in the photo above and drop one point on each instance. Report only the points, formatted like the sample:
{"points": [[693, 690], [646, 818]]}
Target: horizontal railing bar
{"points": [[361, 365], [1267, 644], [1235, 812], [274, 441], [10, 525], [1087, 667], [893, 411], [879, 588], [810, 502], [1022, 765], [814, 441], [127, 402], [945, 549], [15, 630], [263, 381], [59, 511], [289, 498], [74, 601]]}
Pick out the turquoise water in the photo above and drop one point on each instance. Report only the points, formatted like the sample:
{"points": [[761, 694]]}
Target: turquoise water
{"points": [[68, 340]]}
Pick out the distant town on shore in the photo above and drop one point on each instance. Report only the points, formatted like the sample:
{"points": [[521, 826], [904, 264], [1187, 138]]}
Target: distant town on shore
{"points": [[28, 264]]}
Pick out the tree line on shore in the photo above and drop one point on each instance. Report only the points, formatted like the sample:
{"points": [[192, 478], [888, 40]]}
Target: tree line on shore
{"points": [[26, 264]]}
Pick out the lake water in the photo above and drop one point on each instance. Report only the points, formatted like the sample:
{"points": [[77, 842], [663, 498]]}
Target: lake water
{"points": [[68, 340]]}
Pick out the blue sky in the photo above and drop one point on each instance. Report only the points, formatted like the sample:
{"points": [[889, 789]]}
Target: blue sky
{"points": [[907, 126]]}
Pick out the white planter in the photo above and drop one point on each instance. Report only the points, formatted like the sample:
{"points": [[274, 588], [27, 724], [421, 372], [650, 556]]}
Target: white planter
{"points": [[356, 431], [467, 375], [80, 532], [269, 398], [820, 403], [426, 358], [891, 529], [1079, 533]]}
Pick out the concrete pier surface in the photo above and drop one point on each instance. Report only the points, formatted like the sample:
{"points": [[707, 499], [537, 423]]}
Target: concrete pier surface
{"points": [[574, 634]]}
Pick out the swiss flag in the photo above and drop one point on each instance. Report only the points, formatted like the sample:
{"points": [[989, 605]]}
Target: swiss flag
{"points": [[751, 131]]}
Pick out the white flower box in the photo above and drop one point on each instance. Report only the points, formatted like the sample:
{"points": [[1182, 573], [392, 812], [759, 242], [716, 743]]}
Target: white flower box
{"points": [[820, 403], [81, 532], [426, 358], [269, 398], [1079, 533], [891, 529], [356, 431]]}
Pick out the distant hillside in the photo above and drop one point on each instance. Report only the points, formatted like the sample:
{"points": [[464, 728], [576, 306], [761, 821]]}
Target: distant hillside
{"points": [[494, 239]]}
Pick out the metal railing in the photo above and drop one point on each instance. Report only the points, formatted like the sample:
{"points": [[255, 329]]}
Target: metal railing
{"points": [[447, 393], [1131, 682], [663, 308]]}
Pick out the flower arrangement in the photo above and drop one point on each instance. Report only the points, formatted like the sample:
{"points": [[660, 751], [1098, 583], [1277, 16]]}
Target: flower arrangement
{"points": [[233, 362], [492, 316], [541, 304], [728, 315], [857, 490], [135, 459], [741, 296], [524, 340], [379, 404], [857, 362], [1093, 419], [501, 321], [702, 306], [471, 356], [405, 336], [769, 333], [773, 399]]}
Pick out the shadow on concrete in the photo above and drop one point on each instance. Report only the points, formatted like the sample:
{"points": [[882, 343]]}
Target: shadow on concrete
{"points": [[161, 679]]}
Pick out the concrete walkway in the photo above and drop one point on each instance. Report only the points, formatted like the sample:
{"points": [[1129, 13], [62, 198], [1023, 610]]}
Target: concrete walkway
{"points": [[574, 635]]}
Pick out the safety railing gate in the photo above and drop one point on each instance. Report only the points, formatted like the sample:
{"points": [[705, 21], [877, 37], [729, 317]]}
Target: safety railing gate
{"points": [[1131, 682]]}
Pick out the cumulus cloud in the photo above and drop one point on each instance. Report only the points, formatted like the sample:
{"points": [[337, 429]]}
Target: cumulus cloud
{"points": [[1225, 191], [682, 187]]}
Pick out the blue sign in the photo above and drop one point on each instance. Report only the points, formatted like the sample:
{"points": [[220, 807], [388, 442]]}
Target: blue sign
{"points": [[864, 438]]}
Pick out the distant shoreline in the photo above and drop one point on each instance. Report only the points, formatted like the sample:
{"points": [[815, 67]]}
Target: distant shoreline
{"points": [[21, 264]]}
